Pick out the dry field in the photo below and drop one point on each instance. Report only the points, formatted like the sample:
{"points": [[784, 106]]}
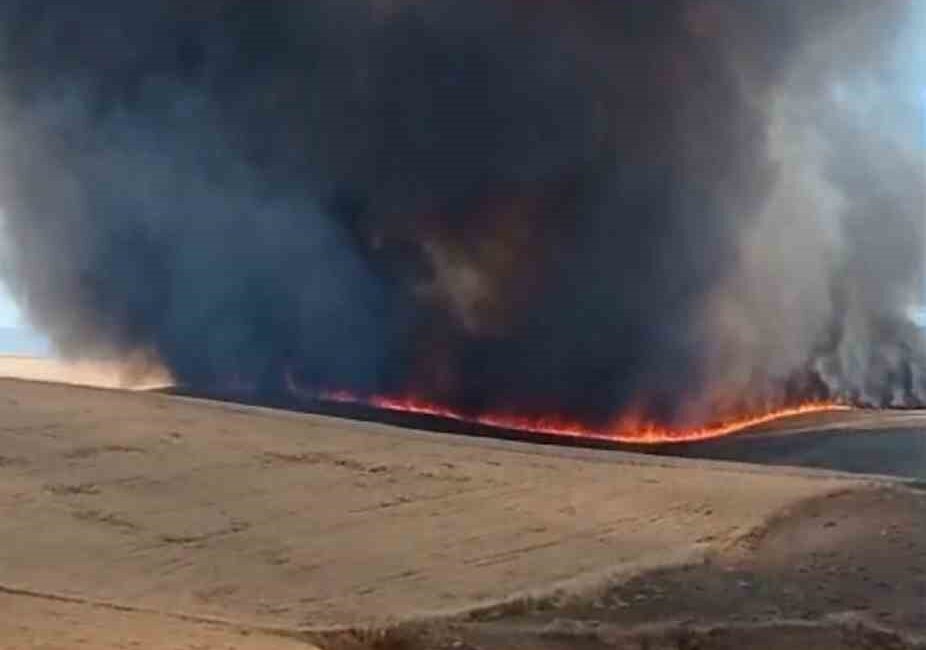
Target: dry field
{"points": [[140, 520]]}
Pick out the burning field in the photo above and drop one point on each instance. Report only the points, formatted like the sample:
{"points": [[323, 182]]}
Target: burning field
{"points": [[650, 221], [628, 430]]}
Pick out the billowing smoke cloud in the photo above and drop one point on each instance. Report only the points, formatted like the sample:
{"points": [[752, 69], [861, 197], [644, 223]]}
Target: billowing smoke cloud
{"points": [[681, 208]]}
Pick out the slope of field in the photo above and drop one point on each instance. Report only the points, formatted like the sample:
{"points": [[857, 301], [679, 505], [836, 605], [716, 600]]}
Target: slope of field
{"points": [[870, 442], [145, 505], [842, 572]]}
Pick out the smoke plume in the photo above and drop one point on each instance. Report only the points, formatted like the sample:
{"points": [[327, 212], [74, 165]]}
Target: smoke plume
{"points": [[682, 209]]}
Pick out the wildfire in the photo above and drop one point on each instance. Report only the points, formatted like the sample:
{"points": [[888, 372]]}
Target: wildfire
{"points": [[625, 430]]}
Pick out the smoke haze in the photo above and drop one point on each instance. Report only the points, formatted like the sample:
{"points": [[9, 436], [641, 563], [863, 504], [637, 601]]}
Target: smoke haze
{"points": [[681, 209]]}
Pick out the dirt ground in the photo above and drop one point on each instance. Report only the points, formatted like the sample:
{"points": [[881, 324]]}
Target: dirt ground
{"points": [[137, 520]]}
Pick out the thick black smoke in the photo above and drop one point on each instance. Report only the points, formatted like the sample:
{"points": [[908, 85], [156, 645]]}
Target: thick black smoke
{"points": [[679, 208]]}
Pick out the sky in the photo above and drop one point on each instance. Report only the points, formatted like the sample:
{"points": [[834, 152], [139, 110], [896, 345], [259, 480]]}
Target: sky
{"points": [[10, 315], [16, 336]]}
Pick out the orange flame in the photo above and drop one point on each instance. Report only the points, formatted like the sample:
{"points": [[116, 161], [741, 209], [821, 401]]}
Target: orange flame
{"points": [[625, 430]]}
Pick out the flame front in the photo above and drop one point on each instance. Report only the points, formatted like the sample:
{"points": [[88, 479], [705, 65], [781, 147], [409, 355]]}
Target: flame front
{"points": [[624, 430]]}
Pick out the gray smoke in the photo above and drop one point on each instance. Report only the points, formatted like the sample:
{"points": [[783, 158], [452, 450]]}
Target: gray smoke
{"points": [[681, 208]]}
